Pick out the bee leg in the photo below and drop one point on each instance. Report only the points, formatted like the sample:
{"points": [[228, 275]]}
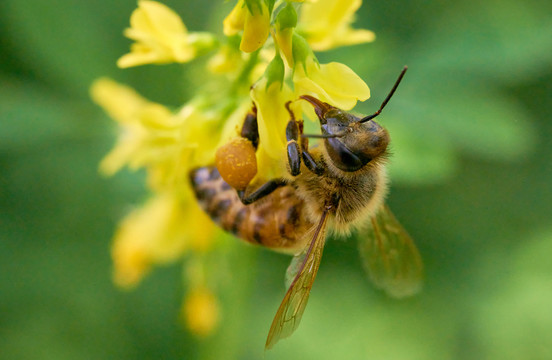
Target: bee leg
{"points": [[293, 151], [250, 128], [309, 161], [264, 190], [311, 164], [293, 129]]}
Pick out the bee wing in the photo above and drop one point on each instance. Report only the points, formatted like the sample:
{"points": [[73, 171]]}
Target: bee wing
{"points": [[390, 256], [291, 309]]}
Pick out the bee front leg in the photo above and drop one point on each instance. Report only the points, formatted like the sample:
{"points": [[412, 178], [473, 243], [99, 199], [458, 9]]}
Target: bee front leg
{"points": [[293, 129], [293, 151], [310, 163]]}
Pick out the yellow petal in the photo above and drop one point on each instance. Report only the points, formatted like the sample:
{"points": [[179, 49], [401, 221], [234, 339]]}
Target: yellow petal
{"points": [[255, 29], [158, 232], [334, 83], [272, 115], [326, 24], [153, 17], [121, 102], [284, 40], [160, 35], [226, 60], [120, 155], [149, 132], [234, 22]]}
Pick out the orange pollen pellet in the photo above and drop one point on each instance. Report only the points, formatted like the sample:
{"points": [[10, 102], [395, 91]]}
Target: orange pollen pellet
{"points": [[236, 162]]}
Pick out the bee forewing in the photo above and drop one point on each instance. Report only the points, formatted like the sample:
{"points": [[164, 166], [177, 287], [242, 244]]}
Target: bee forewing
{"points": [[390, 256], [291, 309]]}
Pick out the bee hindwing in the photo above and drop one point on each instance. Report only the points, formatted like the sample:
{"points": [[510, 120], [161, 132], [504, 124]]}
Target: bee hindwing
{"points": [[390, 256]]}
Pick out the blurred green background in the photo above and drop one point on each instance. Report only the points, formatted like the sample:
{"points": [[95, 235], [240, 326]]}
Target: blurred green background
{"points": [[472, 172]]}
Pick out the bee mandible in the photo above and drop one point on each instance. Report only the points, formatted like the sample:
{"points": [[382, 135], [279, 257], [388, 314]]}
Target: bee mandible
{"points": [[339, 186]]}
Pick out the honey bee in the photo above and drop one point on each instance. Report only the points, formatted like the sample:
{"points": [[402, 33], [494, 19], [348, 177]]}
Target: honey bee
{"points": [[340, 186]]}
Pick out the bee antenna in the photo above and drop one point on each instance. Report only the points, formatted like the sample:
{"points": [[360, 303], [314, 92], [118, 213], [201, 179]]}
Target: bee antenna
{"points": [[370, 117], [324, 136]]}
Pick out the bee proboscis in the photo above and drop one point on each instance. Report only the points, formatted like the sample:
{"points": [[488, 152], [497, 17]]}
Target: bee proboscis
{"points": [[340, 185]]}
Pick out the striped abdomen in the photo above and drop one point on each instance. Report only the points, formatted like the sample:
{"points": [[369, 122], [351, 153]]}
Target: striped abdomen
{"points": [[276, 221]]}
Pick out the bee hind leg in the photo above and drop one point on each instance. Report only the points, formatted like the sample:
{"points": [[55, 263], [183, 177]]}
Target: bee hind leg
{"points": [[262, 191]]}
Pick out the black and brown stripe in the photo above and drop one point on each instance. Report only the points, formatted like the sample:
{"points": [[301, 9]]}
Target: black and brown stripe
{"points": [[276, 221]]}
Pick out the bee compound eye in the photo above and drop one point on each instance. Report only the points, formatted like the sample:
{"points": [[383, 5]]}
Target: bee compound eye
{"points": [[342, 157], [236, 162]]}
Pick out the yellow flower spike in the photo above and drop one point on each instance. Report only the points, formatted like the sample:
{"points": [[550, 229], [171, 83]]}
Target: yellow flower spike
{"points": [[201, 311], [161, 37], [326, 24], [334, 83], [151, 234], [256, 28]]}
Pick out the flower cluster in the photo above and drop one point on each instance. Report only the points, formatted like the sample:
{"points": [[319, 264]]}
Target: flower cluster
{"points": [[266, 58]]}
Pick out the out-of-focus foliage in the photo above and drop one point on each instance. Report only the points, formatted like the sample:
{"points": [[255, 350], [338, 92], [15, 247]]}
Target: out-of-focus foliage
{"points": [[471, 137]]}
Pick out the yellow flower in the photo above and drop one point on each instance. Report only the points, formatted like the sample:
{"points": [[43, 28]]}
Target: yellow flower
{"points": [[149, 131], [272, 115], [196, 139], [226, 60], [138, 236], [326, 24], [255, 28], [201, 311], [285, 24], [334, 83], [158, 232], [151, 136], [254, 19], [283, 37], [234, 22], [161, 37]]}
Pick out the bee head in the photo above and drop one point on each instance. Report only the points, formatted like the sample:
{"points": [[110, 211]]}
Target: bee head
{"points": [[350, 142]]}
